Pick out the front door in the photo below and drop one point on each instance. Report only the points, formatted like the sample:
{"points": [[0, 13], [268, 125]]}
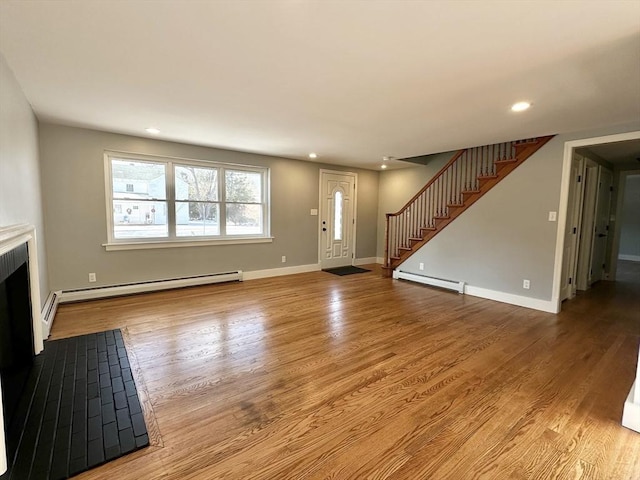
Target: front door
{"points": [[337, 218]]}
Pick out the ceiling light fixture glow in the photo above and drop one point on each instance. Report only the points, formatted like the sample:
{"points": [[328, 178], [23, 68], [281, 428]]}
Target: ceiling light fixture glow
{"points": [[520, 106], [383, 166], [313, 155], [152, 130]]}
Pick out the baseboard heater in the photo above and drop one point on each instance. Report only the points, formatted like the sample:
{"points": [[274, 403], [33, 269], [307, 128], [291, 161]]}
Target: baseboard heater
{"points": [[49, 312], [150, 286], [432, 281]]}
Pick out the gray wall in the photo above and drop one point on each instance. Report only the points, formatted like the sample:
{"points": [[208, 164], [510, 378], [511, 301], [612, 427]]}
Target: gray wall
{"points": [[397, 187], [75, 214], [20, 199], [630, 221], [503, 238]]}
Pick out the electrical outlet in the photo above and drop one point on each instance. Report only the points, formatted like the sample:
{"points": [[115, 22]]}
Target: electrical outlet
{"points": [[526, 284], [284, 259], [92, 277], [421, 266]]}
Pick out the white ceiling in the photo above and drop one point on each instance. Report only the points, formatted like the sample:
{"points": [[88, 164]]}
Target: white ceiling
{"points": [[351, 80]]}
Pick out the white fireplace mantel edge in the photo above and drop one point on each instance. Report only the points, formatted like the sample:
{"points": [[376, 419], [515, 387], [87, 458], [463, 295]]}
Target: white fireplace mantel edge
{"points": [[11, 237]]}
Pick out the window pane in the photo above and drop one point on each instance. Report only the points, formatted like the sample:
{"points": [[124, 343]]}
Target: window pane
{"points": [[337, 216], [243, 186], [196, 183], [138, 180], [196, 219], [139, 219], [244, 219]]}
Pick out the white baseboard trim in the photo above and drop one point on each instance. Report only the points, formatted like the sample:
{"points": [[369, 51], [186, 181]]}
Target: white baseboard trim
{"points": [[365, 261], [528, 302], [631, 412], [278, 272], [380, 260], [631, 258], [49, 312], [151, 286]]}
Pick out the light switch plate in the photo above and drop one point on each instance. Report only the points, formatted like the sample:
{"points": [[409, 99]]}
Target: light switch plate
{"points": [[314, 211], [553, 216]]}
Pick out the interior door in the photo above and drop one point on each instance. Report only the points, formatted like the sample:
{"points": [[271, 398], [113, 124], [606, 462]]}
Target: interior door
{"points": [[337, 218], [585, 240], [601, 225], [574, 211]]}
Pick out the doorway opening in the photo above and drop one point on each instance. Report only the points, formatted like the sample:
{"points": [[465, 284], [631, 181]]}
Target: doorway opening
{"points": [[589, 234]]}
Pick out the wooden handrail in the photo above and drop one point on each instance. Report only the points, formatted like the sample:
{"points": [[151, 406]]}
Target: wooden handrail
{"points": [[429, 183], [471, 171]]}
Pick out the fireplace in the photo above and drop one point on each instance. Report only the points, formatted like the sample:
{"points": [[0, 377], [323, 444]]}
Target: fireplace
{"points": [[20, 322], [16, 333]]}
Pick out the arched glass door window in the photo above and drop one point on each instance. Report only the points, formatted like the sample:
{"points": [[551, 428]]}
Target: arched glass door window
{"points": [[337, 216]]}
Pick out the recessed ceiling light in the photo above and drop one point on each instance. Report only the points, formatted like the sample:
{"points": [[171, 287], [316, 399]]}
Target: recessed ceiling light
{"points": [[384, 159], [383, 166], [153, 131], [313, 155], [520, 106]]}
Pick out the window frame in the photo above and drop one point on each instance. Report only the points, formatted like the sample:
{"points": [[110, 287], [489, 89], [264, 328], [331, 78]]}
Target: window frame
{"points": [[172, 239]]}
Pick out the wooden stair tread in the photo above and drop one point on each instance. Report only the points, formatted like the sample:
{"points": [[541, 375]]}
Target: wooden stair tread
{"points": [[518, 152]]}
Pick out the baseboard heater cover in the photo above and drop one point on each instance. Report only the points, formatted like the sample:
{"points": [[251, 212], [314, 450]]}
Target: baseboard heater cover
{"points": [[149, 286], [432, 281], [49, 312]]}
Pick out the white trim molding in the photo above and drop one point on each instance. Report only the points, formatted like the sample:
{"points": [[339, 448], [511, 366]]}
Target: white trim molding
{"points": [[527, 302], [183, 243], [278, 272], [365, 261], [631, 412], [630, 258]]}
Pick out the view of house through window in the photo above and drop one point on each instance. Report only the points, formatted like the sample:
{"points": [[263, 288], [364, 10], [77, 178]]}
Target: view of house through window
{"points": [[164, 199]]}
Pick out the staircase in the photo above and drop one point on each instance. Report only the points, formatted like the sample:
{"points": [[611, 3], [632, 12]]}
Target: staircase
{"points": [[469, 174]]}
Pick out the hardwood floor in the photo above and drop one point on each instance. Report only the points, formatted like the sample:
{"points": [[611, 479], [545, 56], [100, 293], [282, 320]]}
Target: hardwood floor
{"points": [[315, 376]]}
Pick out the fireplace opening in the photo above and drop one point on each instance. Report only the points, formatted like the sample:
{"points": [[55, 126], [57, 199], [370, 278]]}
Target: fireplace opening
{"points": [[16, 335]]}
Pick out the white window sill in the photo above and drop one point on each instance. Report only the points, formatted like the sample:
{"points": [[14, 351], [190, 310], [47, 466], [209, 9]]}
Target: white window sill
{"points": [[144, 245]]}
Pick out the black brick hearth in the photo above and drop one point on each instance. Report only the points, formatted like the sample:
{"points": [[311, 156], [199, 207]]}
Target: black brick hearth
{"points": [[80, 409]]}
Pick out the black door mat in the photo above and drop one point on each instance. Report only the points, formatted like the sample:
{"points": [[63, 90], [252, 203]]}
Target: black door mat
{"points": [[80, 409], [348, 270]]}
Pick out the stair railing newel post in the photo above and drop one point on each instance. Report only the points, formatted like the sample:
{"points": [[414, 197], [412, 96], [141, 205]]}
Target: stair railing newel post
{"points": [[386, 241]]}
